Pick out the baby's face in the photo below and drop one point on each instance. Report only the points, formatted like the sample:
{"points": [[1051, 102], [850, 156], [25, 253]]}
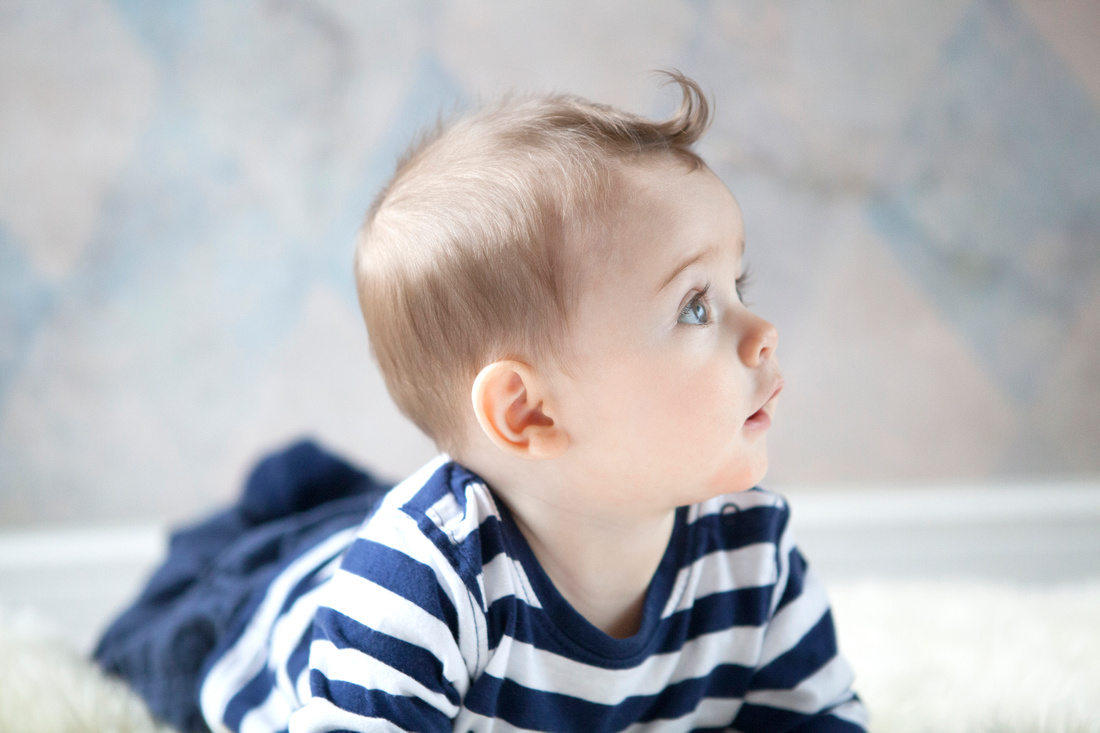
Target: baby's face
{"points": [[676, 381]]}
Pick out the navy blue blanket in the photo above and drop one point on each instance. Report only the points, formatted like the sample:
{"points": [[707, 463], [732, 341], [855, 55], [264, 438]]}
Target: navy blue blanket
{"points": [[218, 570]]}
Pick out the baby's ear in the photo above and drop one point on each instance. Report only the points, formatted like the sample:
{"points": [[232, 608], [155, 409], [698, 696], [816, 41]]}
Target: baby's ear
{"points": [[511, 405]]}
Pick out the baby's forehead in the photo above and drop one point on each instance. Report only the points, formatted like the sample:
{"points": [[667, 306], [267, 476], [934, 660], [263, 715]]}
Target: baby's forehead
{"points": [[654, 216], [629, 187]]}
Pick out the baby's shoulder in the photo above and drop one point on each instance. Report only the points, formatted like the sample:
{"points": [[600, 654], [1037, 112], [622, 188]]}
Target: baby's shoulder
{"points": [[442, 499], [439, 517]]}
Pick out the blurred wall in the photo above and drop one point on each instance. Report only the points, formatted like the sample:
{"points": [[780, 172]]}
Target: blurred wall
{"points": [[180, 183]]}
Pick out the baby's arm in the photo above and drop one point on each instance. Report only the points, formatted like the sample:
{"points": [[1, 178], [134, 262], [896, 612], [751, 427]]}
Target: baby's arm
{"points": [[802, 683], [385, 654]]}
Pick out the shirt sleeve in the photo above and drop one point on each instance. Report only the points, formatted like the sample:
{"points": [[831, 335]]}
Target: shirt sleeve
{"points": [[385, 653], [802, 683]]}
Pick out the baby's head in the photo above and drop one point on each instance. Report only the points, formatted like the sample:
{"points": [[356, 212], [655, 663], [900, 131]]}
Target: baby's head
{"points": [[477, 248], [499, 229]]}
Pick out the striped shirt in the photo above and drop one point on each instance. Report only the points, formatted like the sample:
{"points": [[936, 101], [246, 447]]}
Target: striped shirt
{"points": [[435, 616]]}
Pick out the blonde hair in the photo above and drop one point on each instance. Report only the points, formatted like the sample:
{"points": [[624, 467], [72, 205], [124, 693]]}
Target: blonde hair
{"points": [[469, 254]]}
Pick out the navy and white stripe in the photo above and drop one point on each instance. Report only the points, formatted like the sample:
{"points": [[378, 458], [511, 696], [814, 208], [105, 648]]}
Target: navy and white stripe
{"points": [[439, 618]]}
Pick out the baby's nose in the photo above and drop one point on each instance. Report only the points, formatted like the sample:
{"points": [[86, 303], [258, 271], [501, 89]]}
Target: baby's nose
{"points": [[759, 341]]}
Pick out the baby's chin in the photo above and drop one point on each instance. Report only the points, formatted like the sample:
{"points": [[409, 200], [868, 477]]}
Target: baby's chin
{"points": [[740, 477]]}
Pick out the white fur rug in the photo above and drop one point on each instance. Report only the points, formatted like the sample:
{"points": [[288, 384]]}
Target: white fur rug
{"points": [[929, 658], [47, 686], [970, 658]]}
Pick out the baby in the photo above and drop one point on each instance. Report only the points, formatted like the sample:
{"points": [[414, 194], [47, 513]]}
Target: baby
{"points": [[553, 292]]}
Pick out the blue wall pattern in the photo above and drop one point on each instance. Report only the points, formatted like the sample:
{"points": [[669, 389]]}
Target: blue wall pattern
{"points": [[181, 182]]}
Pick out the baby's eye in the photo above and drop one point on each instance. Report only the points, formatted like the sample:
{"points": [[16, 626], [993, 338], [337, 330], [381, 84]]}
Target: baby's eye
{"points": [[696, 312]]}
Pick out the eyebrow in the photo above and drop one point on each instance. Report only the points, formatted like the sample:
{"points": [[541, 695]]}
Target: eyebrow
{"points": [[692, 259]]}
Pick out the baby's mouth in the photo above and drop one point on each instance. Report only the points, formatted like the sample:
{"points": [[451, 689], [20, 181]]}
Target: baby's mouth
{"points": [[758, 420]]}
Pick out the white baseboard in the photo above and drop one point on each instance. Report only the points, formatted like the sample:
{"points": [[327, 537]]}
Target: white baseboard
{"points": [[1042, 532], [77, 578], [81, 577]]}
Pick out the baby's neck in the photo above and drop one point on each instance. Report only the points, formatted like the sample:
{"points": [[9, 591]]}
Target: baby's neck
{"points": [[602, 566]]}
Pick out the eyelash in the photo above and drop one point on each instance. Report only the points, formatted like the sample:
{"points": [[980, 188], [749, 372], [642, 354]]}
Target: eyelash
{"points": [[742, 283]]}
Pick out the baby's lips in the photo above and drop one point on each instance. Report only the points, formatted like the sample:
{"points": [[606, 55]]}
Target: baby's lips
{"points": [[762, 419]]}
